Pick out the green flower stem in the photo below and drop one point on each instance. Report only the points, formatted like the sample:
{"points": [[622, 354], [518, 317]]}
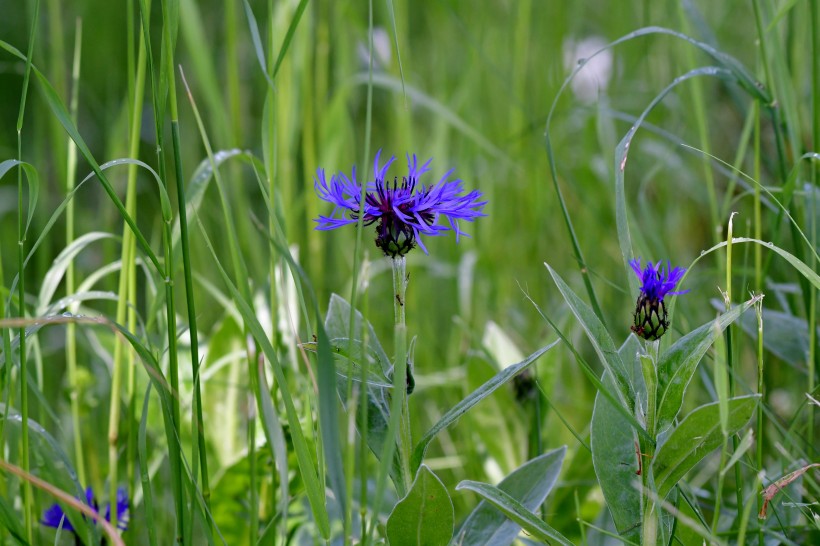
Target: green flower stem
{"points": [[760, 406], [650, 520], [21, 256], [400, 371]]}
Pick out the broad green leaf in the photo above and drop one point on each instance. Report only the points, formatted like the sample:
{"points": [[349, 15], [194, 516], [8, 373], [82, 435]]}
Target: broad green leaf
{"points": [[529, 484], [337, 325], [471, 400], [698, 434], [514, 510], [424, 517], [351, 366], [601, 341], [614, 455], [678, 363]]}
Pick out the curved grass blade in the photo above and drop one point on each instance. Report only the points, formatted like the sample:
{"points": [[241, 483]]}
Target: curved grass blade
{"points": [[601, 341], [54, 276], [471, 400], [621, 153], [33, 184]]}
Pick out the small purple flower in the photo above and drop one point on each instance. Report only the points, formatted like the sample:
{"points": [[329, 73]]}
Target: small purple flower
{"points": [[404, 210], [55, 517], [650, 319]]}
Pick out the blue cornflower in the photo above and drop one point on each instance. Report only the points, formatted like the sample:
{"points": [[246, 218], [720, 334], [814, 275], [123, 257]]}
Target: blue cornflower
{"points": [[651, 320], [55, 517], [404, 210]]}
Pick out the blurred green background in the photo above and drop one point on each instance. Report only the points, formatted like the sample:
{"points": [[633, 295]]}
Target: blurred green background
{"points": [[469, 84]]}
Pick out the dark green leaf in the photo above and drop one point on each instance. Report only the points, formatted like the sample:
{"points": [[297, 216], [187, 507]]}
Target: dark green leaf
{"points": [[424, 517], [601, 341], [697, 435]]}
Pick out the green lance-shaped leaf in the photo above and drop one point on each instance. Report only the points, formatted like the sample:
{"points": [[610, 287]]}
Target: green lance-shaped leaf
{"points": [[377, 364], [471, 400], [697, 435], [529, 484], [615, 459], [678, 363], [424, 516], [514, 510], [601, 341]]}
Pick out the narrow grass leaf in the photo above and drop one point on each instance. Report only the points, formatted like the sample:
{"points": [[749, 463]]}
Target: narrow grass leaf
{"points": [[515, 511], [529, 484], [601, 341], [695, 437], [145, 475], [471, 400], [424, 516], [315, 492]]}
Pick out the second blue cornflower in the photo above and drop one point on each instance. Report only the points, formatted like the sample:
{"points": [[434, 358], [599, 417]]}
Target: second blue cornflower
{"points": [[650, 319]]}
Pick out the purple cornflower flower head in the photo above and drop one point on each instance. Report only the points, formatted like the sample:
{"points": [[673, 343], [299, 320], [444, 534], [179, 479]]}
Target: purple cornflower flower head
{"points": [[650, 319], [55, 517], [402, 210]]}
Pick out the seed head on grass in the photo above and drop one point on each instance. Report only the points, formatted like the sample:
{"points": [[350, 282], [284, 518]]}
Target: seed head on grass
{"points": [[650, 319], [403, 210], [55, 517]]}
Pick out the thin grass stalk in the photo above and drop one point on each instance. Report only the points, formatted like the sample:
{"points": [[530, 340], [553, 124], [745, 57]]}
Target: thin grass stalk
{"points": [[198, 429], [71, 328], [127, 277], [167, 65], [357, 261], [21, 291], [137, 96], [400, 391], [814, 16], [174, 447], [760, 406], [731, 355], [270, 168]]}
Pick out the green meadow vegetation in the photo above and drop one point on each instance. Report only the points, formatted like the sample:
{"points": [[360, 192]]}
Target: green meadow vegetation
{"points": [[619, 347]]}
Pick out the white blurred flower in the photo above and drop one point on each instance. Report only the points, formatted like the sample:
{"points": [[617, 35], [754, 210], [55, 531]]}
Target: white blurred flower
{"points": [[382, 50], [593, 78]]}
